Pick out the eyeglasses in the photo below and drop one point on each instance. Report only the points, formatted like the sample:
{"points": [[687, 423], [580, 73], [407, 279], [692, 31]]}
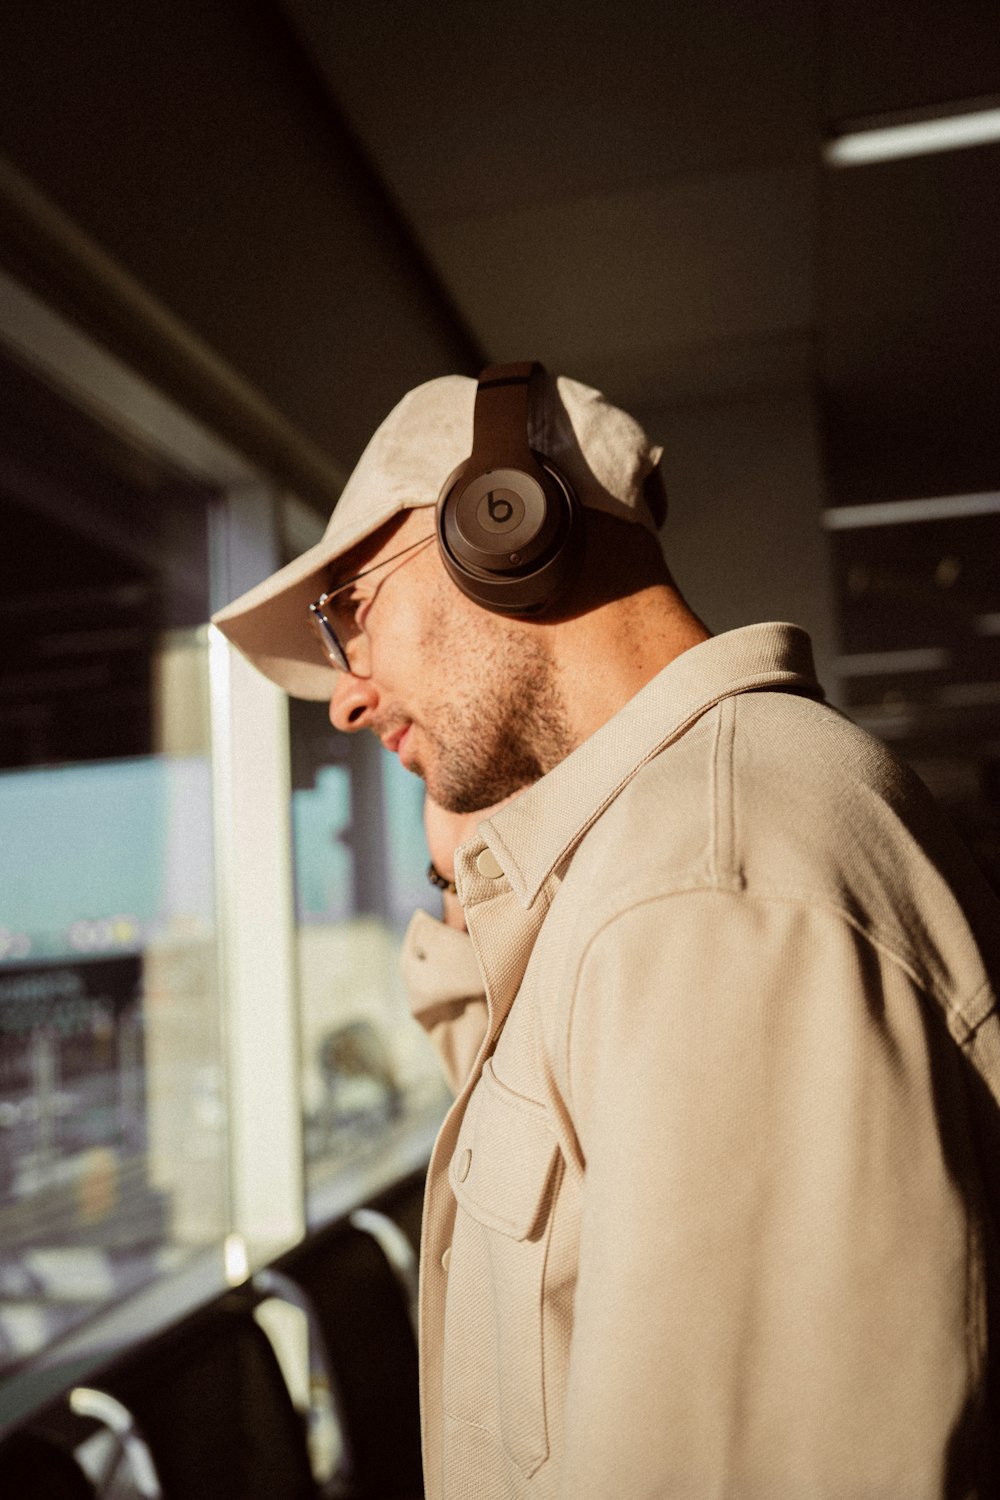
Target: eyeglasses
{"points": [[337, 622]]}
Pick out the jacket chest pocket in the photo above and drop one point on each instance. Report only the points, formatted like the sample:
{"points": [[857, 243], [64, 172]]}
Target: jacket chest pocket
{"points": [[504, 1173]]}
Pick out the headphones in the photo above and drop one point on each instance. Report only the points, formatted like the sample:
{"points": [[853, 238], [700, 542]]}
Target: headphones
{"points": [[509, 527]]}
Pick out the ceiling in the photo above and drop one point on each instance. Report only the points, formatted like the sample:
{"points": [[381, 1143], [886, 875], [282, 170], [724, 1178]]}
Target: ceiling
{"points": [[635, 193], [341, 199], [619, 188]]}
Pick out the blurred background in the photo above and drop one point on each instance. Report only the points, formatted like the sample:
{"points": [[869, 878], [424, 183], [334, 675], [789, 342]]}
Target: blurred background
{"points": [[231, 236]]}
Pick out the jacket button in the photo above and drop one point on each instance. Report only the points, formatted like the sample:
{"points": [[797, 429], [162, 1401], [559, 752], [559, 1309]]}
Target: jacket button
{"points": [[445, 1259], [464, 1163], [486, 864]]}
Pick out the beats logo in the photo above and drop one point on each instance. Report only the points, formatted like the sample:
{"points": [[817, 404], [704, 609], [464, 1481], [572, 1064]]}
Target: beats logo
{"points": [[500, 510]]}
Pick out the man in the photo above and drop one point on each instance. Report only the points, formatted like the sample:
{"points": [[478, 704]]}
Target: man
{"points": [[712, 1212]]}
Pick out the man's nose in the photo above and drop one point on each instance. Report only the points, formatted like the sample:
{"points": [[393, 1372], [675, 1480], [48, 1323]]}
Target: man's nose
{"points": [[353, 702]]}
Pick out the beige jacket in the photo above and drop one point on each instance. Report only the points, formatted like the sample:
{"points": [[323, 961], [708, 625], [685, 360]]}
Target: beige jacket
{"points": [[707, 1216]]}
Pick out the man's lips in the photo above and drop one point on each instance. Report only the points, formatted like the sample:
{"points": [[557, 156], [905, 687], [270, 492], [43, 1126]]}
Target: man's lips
{"points": [[396, 739]]}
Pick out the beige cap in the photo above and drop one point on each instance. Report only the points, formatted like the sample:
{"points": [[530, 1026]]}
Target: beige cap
{"points": [[603, 452]]}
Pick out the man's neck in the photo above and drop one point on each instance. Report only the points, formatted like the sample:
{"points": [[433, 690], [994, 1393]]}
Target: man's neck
{"points": [[604, 657]]}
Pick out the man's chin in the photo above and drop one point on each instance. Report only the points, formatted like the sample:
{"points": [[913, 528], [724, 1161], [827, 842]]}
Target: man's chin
{"points": [[473, 799], [440, 790], [462, 786], [447, 796]]}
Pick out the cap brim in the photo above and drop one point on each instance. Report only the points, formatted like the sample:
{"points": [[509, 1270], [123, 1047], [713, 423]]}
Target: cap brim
{"points": [[269, 624]]}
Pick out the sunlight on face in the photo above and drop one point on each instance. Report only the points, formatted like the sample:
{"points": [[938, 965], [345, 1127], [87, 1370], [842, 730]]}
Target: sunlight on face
{"points": [[489, 717]]}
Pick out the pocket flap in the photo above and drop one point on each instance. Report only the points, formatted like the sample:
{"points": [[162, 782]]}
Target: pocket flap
{"points": [[502, 1166]]}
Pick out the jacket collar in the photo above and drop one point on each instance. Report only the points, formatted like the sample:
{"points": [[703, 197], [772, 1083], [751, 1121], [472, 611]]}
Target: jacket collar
{"points": [[533, 835]]}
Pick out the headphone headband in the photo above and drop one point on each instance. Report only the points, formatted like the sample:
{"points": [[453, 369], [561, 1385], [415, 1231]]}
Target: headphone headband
{"points": [[500, 421]]}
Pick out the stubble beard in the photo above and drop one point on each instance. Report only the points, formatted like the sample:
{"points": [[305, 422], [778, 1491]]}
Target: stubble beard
{"points": [[489, 742]]}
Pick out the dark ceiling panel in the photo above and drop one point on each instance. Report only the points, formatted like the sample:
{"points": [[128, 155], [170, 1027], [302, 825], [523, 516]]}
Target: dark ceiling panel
{"points": [[895, 57], [475, 108], [702, 259], [910, 320]]}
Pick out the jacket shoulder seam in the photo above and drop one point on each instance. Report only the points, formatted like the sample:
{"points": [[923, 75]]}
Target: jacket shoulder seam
{"points": [[955, 1011]]}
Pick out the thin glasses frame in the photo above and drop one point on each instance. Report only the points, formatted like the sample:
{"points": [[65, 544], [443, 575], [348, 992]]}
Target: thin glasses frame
{"points": [[333, 649]]}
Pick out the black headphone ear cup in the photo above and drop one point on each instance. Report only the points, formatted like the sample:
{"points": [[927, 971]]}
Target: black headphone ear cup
{"points": [[508, 523], [508, 538]]}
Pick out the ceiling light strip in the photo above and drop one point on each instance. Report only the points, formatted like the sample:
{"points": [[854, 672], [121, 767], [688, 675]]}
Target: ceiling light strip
{"points": [[884, 663], [903, 512], [919, 138]]}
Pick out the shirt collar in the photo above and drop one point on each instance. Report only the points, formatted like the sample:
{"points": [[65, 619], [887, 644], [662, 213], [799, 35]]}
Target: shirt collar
{"points": [[532, 836]]}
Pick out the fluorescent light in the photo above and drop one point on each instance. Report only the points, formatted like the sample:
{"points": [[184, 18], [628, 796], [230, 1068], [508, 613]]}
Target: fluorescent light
{"points": [[917, 138], [895, 726], [903, 512], [235, 1259], [885, 663]]}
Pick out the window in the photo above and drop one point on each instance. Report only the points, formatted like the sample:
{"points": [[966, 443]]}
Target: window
{"points": [[113, 1146]]}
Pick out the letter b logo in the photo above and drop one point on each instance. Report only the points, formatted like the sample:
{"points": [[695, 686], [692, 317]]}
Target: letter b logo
{"points": [[500, 508]]}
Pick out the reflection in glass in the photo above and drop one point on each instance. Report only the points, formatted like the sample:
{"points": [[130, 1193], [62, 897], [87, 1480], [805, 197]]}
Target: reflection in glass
{"points": [[371, 1085], [111, 1105]]}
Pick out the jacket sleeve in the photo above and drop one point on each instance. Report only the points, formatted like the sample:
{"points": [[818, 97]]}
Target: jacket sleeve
{"points": [[777, 1269], [446, 992]]}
